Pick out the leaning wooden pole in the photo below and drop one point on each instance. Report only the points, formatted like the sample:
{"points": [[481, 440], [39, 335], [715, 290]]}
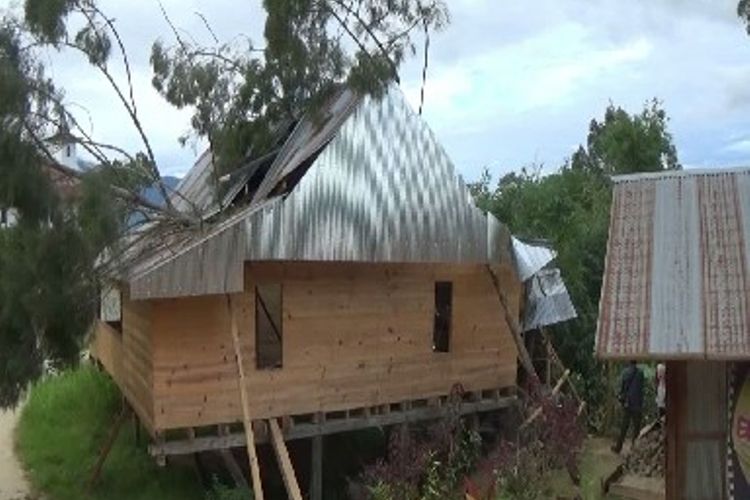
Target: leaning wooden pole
{"points": [[285, 463], [515, 327], [248, 423], [104, 453]]}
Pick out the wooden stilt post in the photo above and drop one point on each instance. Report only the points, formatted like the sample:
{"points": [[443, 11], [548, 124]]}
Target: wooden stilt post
{"points": [[285, 464], [247, 421], [316, 463]]}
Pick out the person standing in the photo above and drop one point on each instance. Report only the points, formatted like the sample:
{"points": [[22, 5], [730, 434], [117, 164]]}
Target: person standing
{"points": [[631, 399], [661, 390]]}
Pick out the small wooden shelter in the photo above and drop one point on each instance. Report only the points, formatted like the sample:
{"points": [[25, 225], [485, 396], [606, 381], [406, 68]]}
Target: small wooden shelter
{"points": [[347, 280], [677, 288]]}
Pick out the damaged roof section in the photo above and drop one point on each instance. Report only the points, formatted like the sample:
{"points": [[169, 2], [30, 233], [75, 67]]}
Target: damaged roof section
{"points": [[676, 280], [365, 181], [547, 299]]}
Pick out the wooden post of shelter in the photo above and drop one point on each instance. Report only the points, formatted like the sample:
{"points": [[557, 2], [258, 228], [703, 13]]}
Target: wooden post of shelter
{"points": [[247, 420], [316, 463]]}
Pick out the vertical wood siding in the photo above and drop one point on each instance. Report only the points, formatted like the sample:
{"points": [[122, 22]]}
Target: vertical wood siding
{"points": [[354, 335]]}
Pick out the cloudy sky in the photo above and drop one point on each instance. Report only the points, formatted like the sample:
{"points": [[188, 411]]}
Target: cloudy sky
{"points": [[510, 82]]}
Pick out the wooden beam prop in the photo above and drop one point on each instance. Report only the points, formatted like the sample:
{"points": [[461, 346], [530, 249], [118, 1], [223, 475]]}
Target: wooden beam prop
{"points": [[234, 468], [555, 390], [247, 420], [515, 327], [285, 464], [111, 438]]}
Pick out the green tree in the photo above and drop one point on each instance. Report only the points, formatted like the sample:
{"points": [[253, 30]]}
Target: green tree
{"points": [[570, 209], [245, 97], [52, 261]]}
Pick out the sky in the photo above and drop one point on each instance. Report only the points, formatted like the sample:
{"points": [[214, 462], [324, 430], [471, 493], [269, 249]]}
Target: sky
{"points": [[510, 83]]}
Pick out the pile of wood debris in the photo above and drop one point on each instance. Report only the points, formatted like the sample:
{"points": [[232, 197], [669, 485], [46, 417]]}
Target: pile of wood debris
{"points": [[647, 458]]}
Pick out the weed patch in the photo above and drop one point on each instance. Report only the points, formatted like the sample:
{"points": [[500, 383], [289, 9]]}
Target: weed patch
{"points": [[61, 430]]}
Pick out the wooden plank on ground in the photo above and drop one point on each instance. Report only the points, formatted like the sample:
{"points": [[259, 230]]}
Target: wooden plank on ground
{"points": [[638, 488], [285, 464], [247, 420]]}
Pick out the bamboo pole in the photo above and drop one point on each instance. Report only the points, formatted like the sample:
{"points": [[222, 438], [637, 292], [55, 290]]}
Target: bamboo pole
{"points": [[248, 423], [555, 390], [515, 327]]}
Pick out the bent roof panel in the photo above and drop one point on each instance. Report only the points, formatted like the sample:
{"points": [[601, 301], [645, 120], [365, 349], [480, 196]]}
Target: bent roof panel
{"points": [[382, 190]]}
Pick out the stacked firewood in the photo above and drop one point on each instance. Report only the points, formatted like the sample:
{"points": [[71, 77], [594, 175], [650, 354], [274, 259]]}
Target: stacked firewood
{"points": [[647, 458]]}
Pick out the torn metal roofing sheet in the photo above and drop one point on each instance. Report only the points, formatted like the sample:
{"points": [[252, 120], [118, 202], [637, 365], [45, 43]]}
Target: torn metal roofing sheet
{"points": [[381, 190], [547, 300], [676, 280], [531, 258], [196, 192]]}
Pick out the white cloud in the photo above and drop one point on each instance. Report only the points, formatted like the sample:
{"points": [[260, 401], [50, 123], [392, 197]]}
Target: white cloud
{"points": [[508, 84]]}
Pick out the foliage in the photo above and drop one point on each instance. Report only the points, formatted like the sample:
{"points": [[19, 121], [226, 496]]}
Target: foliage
{"points": [[245, 98], [569, 208], [422, 464], [61, 430], [519, 468], [220, 491]]}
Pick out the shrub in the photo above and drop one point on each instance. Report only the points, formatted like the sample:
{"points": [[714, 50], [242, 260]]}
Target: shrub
{"points": [[427, 463]]}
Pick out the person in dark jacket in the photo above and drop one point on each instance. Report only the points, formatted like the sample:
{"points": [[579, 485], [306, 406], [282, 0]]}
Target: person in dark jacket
{"points": [[631, 398]]}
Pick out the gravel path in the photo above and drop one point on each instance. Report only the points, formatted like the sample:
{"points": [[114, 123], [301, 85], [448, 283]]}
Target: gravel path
{"points": [[13, 485]]}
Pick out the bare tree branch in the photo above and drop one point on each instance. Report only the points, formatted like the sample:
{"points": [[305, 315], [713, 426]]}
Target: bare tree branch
{"points": [[208, 26]]}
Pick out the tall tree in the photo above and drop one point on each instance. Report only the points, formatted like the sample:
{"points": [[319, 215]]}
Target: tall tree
{"points": [[52, 260], [245, 96], [570, 209]]}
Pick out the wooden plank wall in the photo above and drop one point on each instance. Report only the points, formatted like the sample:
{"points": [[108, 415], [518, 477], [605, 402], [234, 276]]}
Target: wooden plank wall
{"points": [[128, 356], [106, 346], [354, 335]]}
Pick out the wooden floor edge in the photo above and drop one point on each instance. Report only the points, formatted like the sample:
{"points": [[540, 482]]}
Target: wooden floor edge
{"points": [[331, 426]]}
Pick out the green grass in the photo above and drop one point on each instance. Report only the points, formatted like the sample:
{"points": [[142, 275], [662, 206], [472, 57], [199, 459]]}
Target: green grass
{"points": [[596, 464], [62, 428]]}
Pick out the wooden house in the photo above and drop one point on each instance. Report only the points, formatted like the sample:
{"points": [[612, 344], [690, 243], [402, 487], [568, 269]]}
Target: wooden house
{"points": [[346, 280], [677, 289]]}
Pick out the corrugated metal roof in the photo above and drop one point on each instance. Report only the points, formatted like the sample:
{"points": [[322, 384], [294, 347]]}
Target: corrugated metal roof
{"points": [[676, 281], [383, 190], [196, 191], [547, 300], [530, 259]]}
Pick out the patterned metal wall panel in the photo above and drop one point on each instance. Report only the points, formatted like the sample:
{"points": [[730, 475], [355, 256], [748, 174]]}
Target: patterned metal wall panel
{"points": [[703, 430], [676, 281]]}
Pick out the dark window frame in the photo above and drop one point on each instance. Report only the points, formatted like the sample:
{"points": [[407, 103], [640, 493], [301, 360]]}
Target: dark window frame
{"points": [[442, 328], [269, 327]]}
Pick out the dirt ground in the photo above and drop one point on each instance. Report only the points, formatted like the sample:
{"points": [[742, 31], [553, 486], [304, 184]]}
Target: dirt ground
{"points": [[13, 485]]}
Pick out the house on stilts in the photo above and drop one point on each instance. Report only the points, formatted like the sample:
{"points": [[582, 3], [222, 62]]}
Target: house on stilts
{"points": [[677, 289], [345, 281]]}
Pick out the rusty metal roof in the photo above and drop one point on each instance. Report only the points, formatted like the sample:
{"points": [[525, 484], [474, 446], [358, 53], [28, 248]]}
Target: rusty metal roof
{"points": [[676, 279]]}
